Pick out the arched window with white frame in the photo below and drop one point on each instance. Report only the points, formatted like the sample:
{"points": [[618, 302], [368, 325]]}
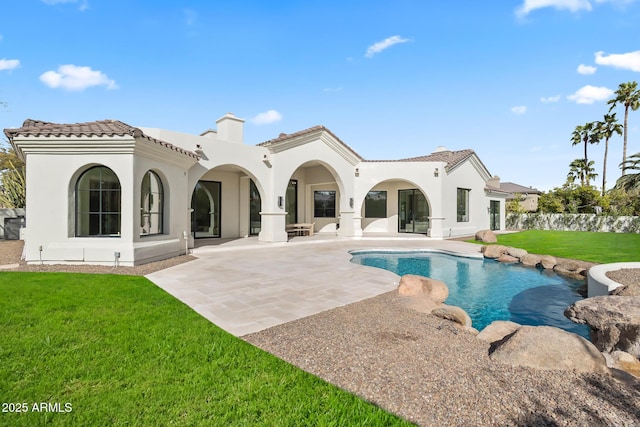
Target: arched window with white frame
{"points": [[151, 205], [98, 205]]}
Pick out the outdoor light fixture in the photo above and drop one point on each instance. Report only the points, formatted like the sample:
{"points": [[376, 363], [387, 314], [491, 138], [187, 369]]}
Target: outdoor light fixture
{"points": [[351, 202], [436, 172], [280, 202], [357, 171], [266, 160]]}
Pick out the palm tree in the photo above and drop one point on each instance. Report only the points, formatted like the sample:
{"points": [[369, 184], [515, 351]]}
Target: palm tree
{"points": [[606, 129], [588, 133], [630, 181], [629, 96], [579, 169]]}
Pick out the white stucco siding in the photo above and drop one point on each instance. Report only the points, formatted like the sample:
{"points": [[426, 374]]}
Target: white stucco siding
{"points": [[465, 176]]}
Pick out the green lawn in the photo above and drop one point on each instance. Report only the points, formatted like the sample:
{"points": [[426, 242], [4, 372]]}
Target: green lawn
{"points": [[120, 351], [586, 246]]}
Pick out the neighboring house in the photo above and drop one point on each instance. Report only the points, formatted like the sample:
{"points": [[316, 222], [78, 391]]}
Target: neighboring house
{"points": [[526, 196], [105, 192]]}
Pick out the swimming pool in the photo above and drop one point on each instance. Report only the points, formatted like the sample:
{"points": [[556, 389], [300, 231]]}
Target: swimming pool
{"points": [[489, 290]]}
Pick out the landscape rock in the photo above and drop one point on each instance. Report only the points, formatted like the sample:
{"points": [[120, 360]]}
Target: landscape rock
{"points": [[614, 322], [546, 347], [516, 252], [508, 259], [493, 251], [497, 330], [631, 290], [453, 313], [414, 285], [530, 260], [548, 262], [486, 236], [570, 268]]}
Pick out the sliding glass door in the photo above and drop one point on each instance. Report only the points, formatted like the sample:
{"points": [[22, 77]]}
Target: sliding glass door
{"points": [[413, 212], [205, 205]]}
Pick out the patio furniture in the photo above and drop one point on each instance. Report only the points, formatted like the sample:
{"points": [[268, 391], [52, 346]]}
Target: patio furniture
{"points": [[300, 229]]}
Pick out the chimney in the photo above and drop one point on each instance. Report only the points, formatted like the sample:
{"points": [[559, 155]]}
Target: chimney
{"points": [[494, 181], [230, 128]]}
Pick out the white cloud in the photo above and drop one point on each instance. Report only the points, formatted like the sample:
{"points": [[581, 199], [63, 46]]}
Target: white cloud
{"points": [[270, 116], [332, 89], [520, 109], [625, 61], [586, 69], [589, 94], [84, 4], [72, 77], [570, 5], [9, 64], [384, 44], [550, 99]]}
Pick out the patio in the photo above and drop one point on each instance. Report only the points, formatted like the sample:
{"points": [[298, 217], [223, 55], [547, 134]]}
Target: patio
{"points": [[245, 286]]}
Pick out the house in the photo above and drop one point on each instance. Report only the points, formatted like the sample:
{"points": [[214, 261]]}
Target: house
{"points": [[526, 196], [105, 192]]}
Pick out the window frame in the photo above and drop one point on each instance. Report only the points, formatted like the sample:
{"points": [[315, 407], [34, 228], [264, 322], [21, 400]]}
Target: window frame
{"points": [[368, 208], [103, 195], [462, 206], [145, 208], [325, 211]]}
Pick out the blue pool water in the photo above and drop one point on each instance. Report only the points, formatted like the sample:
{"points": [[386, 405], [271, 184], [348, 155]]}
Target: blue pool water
{"points": [[489, 290]]}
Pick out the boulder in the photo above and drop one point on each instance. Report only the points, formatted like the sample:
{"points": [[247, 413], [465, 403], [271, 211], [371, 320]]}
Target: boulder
{"points": [[626, 362], [614, 322], [486, 236], [497, 330], [413, 285], [493, 251], [453, 313], [570, 268], [546, 347], [630, 290], [530, 260], [506, 258], [548, 262], [516, 252]]}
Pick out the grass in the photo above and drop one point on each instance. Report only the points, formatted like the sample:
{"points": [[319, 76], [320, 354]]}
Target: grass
{"points": [[121, 351], [595, 247]]}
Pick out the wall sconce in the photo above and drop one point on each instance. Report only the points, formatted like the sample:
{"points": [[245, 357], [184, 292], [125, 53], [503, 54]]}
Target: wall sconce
{"points": [[357, 171], [266, 160], [436, 172], [351, 202], [280, 202]]}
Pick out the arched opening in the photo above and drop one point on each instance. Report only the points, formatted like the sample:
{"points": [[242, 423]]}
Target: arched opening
{"points": [[151, 205], [98, 204], [395, 206]]}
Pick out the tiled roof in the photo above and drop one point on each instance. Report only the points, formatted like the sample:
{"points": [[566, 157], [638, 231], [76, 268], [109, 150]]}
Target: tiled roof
{"points": [[285, 137], [511, 187], [451, 158], [90, 129]]}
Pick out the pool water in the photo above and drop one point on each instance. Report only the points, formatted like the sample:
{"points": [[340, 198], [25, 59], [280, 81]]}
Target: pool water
{"points": [[489, 290]]}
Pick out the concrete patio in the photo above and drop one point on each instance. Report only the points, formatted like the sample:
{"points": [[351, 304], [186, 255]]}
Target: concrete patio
{"points": [[244, 286]]}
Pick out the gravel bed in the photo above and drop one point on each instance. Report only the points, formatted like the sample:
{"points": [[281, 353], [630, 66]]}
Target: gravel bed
{"points": [[625, 276], [431, 373]]}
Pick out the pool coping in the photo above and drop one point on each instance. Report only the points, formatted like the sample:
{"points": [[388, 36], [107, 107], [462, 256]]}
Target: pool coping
{"points": [[599, 284]]}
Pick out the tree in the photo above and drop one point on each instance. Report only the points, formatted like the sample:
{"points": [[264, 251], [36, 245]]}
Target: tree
{"points": [[606, 129], [631, 181], [629, 96], [584, 171], [587, 134], [12, 187]]}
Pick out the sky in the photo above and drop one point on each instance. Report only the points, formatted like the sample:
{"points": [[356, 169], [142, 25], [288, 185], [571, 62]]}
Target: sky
{"points": [[510, 79]]}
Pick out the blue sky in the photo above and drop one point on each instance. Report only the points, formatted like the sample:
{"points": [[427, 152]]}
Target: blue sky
{"points": [[393, 79]]}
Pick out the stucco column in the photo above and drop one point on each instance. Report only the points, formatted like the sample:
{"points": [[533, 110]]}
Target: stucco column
{"points": [[435, 227], [350, 224], [273, 227]]}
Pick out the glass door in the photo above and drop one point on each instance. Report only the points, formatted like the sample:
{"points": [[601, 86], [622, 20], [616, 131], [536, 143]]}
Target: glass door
{"points": [[413, 212], [205, 205], [255, 220], [494, 214], [291, 202]]}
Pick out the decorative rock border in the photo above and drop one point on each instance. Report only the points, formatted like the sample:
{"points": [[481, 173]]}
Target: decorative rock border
{"points": [[509, 254], [598, 284]]}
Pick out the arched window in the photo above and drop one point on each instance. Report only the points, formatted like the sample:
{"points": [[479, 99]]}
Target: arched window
{"points": [[151, 205], [98, 203]]}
